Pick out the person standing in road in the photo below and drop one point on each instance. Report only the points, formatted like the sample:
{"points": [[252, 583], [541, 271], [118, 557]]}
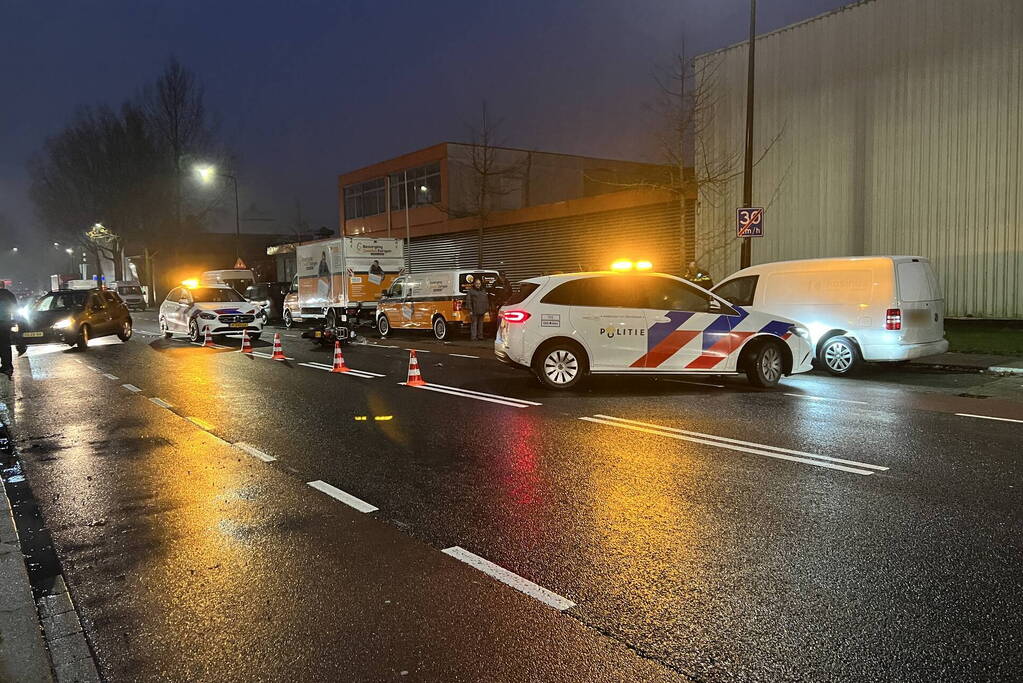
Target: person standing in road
{"points": [[478, 303], [8, 311]]}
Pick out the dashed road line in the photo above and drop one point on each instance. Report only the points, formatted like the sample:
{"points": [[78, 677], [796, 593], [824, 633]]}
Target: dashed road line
{"points": [[160, 402], [132, 388], [269, 355], [109, 376], [462, 355], [93, 368], [801, 457], [254, 452], [346, 498], [416, 350], [825, 398], [200, 423], [478, 395], [523, 585], [357, 373], [990, 417]]}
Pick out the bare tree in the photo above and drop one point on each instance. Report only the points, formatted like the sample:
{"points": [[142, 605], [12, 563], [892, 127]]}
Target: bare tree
{"points": [[490, 174]]}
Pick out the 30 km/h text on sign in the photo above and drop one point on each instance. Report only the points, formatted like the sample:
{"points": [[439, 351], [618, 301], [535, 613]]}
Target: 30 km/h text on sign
{"points": [[749, 222]]}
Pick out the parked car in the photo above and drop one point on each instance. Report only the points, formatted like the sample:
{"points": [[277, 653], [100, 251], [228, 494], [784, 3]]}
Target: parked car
{"points": [[270, 297], [131, 292], [74, 317], [217, 308], [564, 327], [861, 308], [434, 300]]}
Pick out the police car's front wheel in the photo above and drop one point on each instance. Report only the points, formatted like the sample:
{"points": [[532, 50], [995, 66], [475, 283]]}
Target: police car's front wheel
{"points": [[764, 365], [560, 365]]}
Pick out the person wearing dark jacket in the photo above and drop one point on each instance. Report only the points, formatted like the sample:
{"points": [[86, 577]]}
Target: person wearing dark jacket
{"points": [[8, 312], [478, 303]]}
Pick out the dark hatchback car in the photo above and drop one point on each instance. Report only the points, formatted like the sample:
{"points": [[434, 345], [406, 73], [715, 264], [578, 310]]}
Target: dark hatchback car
{"points": [[74, 317], [269, 295]]}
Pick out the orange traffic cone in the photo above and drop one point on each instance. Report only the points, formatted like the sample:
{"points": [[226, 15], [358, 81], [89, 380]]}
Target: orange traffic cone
{"points": [[208, 341], [278, 351], [339, 360], [414, 378], [246, 342]]}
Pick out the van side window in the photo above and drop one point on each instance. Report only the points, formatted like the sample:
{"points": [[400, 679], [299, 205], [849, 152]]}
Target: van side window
{"points": [[666, 294], [397, 289], [741, 291]]}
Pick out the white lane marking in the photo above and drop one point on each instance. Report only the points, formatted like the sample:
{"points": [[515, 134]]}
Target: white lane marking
{"points": [[77, 360], [417, 350], [699, 384], [462, 355], [549, 598], [825, 398], [358, 373], [346, 498], [93, 368], [741, 446], [380, 346], [254, 452], [160, 402], [200, 423], [989, 417], [131, 387], [479, 396], [109, 376], [269, 355]]}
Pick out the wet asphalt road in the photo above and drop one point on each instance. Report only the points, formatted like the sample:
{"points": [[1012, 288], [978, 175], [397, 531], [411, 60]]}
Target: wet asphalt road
{"points": [[826, 530]]}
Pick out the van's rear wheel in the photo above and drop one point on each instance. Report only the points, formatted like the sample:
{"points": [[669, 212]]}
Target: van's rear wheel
{"points": [[289, 322], [560, 365], [839, 356], [440, 328]]}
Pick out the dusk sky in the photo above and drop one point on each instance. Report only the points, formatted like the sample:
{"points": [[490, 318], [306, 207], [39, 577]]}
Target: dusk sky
{"points": [[304, 91]]}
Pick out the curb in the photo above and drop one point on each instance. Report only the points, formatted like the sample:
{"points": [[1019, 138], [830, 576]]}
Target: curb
{"points": [[1004, 370], [992, 370], [23, 653]]}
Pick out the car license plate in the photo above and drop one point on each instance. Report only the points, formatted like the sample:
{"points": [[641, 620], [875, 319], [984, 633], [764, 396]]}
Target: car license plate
{"points": [[31, 334], [239, 324]]}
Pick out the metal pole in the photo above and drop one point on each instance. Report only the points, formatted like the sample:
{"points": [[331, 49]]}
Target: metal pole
{"points": [[745, 257], [237, 221], [408, 230]]}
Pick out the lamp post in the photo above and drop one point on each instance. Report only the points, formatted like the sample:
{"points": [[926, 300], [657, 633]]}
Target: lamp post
{"points": [[746, 255], [206, 175]]}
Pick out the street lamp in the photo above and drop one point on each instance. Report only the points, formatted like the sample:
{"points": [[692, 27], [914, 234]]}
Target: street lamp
{"points": [[206, 174], [14, 249]]}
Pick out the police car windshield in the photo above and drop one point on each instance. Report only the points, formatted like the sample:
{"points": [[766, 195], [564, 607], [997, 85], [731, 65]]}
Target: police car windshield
{"points": [[61, 301], [215, 294]]}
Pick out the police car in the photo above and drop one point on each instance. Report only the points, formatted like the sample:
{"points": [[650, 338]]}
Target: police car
{"points": [[193, 309], [564, 327]]}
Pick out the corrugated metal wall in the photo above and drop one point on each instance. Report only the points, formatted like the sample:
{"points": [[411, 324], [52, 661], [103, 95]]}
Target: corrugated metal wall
{"points": [[901, 128], [585, 242]]}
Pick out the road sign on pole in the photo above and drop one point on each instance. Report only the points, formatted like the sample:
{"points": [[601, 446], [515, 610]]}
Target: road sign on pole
{"points": [[749, 222]]}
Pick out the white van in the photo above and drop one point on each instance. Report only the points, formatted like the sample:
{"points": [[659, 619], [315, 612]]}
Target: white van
{"points": [[238, 278], [858, 308]]}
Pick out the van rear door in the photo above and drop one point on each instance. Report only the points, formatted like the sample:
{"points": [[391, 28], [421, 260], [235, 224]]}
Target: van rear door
{"points": [[921, 301]]}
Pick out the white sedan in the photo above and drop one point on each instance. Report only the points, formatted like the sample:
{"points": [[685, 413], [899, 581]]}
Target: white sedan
{"points": [[217, 308], [564, 327]]}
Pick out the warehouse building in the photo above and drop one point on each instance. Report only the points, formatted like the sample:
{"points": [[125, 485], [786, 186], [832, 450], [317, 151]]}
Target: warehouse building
{"points": [[544, 212], [897, 128]]}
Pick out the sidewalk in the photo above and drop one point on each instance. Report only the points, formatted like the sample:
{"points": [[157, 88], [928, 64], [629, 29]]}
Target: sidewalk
{"points": [[23, 655], [974, 362]]}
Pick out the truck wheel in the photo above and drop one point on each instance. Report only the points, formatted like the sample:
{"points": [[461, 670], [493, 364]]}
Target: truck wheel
{"points": [[839, 356], [331, 319], [764, 365], [440, 328], [383, 326], [560, 364]]}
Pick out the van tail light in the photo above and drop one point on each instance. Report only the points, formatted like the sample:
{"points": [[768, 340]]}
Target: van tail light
{"points": [[893, 319], [458, 305], [515, 316]]}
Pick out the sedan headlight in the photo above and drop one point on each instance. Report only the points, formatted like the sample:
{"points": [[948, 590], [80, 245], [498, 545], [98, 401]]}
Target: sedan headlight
{"points": [[63, 323], [801, 331], [207, 316]]}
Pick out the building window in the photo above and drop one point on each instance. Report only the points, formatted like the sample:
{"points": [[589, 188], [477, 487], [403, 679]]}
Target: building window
{"points": [[423, 187], [365, 199]]}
